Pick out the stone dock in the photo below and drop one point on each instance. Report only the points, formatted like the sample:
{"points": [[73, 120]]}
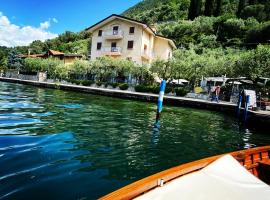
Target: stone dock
{"points": [[256, 117]]}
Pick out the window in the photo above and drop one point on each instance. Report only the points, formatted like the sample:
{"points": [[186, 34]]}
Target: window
{"points": [[130, 44], [113, 47], [100, 33], [115, 30], [99, 45], [145, 47], [131, 30]]}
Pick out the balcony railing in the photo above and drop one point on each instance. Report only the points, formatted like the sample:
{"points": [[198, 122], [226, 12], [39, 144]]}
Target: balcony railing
{"points": [[112, 51], [113, 34]]}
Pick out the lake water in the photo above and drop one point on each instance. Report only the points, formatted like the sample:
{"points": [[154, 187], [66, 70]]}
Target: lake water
{"points": [[65, 145]]}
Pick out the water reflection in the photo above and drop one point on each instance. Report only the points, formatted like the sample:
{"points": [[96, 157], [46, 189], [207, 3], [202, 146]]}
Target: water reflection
{"points": [[155, 133], [66, 145]]}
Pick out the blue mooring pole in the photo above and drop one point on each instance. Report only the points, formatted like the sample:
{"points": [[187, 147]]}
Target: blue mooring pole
{"points": [[246, 108], [239, 105], [160, 99]]}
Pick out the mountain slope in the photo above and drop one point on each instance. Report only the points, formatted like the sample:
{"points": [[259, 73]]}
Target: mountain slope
{"points": [[152, 11], [243, 23]]}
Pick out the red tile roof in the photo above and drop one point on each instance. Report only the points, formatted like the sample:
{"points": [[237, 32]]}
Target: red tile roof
{"points": [[55, 53]]}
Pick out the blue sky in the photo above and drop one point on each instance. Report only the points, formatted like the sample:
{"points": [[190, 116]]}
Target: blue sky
{"points": [[46, 19]]}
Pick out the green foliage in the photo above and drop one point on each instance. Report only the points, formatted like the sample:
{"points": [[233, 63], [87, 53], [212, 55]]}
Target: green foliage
{"points": [[36, 47], [62, 72], [114, 85], [152, 11], [180, 91], [86, 82], [44, 65], [231, 29], [33, 64], [14, 61], [194, 9], [3, 57], [80, 67], [162, 68], [259, 34], [147, 88], [123, 86], [256, 11], [254, 63]]}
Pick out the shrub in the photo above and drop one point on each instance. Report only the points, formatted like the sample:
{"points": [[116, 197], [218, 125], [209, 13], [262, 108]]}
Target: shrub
{"points": [[147, 89], [142, 88], [74, 81], [168, 89], [155, 89], [123, 86], [114, 85], [86, 82], [99, 83], [181, 91]]}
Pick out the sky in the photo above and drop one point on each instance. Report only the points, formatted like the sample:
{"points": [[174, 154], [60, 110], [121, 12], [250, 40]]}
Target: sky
{"points": [[23, 21]]}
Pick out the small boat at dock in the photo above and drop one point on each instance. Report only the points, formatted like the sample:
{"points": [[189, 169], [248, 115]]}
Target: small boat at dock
{"points": [[237, 175]]}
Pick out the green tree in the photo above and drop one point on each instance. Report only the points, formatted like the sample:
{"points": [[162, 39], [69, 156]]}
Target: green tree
{"points": [[36, 47], [217, 11], [241, 6], [256, 11], [14, 61], [194, 9], [162, 68], [209, 7]]}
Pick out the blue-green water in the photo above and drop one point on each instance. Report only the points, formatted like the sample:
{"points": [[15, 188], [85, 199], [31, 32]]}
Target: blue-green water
{"points": [[66, 145]]}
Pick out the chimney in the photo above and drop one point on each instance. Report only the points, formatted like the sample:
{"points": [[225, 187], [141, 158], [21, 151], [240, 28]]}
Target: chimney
{"points": [[29, 52]]}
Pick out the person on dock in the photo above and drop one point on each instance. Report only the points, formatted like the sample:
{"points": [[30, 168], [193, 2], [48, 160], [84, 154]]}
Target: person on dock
{"points": [[215, 96]]}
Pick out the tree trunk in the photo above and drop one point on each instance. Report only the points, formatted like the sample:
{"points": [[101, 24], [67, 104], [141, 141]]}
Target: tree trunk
{"points": [[252, 2], [209, 7], [218, 8], [194, 9], [241, 6]]}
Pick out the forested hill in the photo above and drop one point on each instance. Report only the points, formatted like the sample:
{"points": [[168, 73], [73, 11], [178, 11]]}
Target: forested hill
{"points": [[208, 23], [203, 23], [152, 11]]}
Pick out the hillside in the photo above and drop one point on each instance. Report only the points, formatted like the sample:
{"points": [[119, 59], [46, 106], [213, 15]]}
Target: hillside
{"points": [[156, 11], [152, 11], [207, 22], [203, 23]]}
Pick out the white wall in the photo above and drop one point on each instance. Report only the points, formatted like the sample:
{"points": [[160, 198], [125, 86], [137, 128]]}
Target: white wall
{"points": [[156, 47]]}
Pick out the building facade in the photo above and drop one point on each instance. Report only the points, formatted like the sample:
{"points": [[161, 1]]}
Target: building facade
{"points": [[121, 37], [67, 58]]}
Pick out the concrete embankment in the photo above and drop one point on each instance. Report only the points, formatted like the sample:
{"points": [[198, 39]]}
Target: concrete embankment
{"points": [[226, 107], [124, 94]]}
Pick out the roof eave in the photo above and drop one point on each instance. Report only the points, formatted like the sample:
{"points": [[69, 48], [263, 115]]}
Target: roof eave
{"points": [[91, 29], [170, 41]]}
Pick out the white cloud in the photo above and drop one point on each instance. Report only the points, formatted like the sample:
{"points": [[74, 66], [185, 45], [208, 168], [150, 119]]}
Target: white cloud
{"points": [[45, 25], [14, 35], [54, 20]]}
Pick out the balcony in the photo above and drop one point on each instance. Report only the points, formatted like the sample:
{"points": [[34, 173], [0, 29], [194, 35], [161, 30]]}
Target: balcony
{"points": [[112, 51], [113, 34]]}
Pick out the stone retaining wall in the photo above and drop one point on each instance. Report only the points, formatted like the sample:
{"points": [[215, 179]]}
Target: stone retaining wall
{"points": [[40, 76]]}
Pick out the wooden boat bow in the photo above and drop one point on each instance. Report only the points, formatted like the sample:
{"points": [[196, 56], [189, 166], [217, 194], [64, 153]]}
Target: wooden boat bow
{"points": [[252, 159]]}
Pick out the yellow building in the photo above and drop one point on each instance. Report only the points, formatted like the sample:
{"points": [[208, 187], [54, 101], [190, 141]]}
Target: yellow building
{"points": [[122, 37], [67, 58]]}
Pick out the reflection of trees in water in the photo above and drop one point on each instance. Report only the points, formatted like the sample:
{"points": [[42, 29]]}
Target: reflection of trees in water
{"points": [[116, 136]]}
